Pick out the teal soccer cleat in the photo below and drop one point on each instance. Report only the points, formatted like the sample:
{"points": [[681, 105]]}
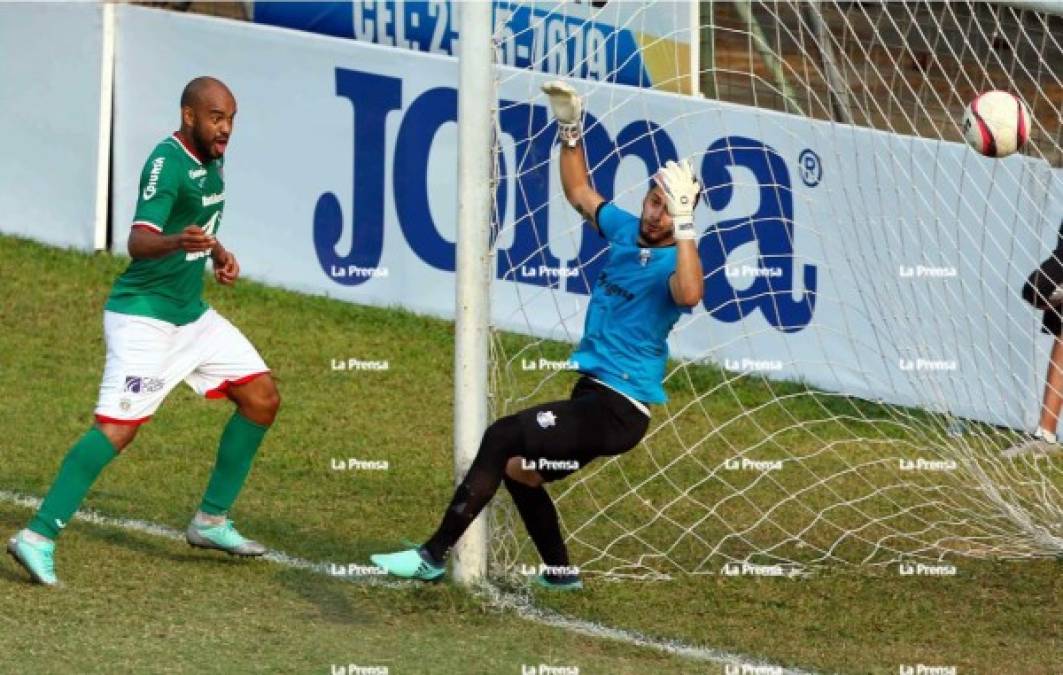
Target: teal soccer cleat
{"points": [[569, 582], [408, 564], [223, 537], [36, 558]]}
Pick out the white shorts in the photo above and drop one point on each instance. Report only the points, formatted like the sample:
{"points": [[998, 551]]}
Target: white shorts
{"points": [[146, 358]]}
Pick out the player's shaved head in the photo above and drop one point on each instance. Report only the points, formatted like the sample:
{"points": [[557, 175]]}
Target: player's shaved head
{"points": [[207, 112], [200, 88]]}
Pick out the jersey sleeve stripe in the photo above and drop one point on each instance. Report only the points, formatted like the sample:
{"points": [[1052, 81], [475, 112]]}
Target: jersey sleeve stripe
{"points": [[147, 226]]}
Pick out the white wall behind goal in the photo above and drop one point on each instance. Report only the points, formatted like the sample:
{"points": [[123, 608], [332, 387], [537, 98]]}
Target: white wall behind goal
{"points": [[50, 63], [341, 181]]}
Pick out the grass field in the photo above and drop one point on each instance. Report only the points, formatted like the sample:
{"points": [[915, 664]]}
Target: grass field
{"points": [[136, 602]]}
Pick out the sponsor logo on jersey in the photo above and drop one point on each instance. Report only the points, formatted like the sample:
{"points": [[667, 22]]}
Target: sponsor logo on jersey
{"points": [[546, 419], [210, 200], [610, 288], [153, 177]]}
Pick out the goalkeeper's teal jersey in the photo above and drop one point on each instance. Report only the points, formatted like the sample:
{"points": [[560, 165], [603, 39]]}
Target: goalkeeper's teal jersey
{"points": [[176, 190], [631, 312]]}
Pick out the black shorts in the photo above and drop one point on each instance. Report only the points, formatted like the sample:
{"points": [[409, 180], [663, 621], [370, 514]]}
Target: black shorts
{"points": [[564, 436], [1041, 283]]}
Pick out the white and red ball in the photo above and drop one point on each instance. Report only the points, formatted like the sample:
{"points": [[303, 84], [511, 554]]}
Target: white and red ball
{"points": [[996, 124]]}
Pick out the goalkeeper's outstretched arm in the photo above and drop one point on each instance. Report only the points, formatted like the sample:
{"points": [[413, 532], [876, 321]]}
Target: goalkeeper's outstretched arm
{"points": [[578, 190], [568, 109], [681, 188]]}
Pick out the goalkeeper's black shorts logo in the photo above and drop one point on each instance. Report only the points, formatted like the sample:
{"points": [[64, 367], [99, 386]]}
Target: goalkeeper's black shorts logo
{"points": [[546, 419]]}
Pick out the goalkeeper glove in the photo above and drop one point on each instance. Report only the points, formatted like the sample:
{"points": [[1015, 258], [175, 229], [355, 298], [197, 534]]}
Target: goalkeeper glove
{"points": [[681, 189], [568, 110]]}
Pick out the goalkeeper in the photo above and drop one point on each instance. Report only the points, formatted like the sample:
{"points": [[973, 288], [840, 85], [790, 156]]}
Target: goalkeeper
{"points": [[652, 275]]}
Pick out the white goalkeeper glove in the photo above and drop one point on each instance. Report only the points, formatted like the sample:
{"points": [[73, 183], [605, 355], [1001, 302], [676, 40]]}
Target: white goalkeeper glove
{"points": [[568, 110], [681, 189]]}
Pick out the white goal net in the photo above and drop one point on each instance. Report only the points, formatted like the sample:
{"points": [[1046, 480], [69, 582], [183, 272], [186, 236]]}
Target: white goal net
{"points": [[846, 391]]}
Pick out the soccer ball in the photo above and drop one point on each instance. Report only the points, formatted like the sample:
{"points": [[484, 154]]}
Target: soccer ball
{"points": [[996, 124]]}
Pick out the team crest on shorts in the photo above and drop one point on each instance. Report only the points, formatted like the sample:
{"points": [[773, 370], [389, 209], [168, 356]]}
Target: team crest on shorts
{"points": [[545, 418]]}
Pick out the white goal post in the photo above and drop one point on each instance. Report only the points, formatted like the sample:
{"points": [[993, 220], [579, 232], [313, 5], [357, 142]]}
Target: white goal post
{"points": [[476, 107]]}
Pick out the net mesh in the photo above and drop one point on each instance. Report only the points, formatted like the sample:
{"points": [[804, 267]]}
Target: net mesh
{"points": [[856, 387]]}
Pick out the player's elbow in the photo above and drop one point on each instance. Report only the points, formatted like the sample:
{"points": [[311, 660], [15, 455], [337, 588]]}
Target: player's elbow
{"points": [[133, 244], [689, 297]]}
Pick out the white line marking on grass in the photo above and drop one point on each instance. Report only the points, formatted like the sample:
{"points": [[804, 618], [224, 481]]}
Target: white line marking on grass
{"points": [[521, 606], [526, 610], [165, 532]]}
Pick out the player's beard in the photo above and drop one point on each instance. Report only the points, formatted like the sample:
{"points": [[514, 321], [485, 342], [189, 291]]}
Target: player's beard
{"points": [[205, 145], [655, 237]]}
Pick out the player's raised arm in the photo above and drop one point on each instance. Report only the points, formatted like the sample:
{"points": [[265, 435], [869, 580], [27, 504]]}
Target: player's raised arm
{"points": [[681, 189], [568, 110]]}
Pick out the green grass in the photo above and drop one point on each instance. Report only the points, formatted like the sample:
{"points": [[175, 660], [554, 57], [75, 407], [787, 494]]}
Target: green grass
{"points": [[134, 602]]}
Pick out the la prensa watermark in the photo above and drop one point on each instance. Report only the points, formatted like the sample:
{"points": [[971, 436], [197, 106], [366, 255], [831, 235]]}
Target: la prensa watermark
{"points": [[545, 669], [747, 464], [543, 363], [748, 365], [927, 365], [927, 272], [355, 669], [543, 463], [918, 569], [548, 272], [355, 464], [549, 570], [355, 570], [356, 272], [750, 669], [923, 669], [354, 364], [748, 569], [746, 271], [921, 464]]}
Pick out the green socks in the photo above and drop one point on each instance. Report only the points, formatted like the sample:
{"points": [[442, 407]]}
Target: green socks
{"points": [[239, 443], [78, 472], [93, 451]]}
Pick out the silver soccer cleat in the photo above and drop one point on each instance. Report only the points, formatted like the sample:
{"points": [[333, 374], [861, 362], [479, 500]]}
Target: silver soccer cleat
{"points": [[223, 537]]}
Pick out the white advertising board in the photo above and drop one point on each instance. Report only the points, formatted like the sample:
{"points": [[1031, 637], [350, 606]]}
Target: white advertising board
{"points": [[854, 260]]}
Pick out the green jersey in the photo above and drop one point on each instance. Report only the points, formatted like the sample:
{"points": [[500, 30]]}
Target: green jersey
{"points": [[176, 190]]}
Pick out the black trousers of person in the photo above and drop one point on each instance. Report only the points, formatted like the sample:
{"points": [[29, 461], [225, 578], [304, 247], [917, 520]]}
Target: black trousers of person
{"points": [[1040, 285], [556, 439]]}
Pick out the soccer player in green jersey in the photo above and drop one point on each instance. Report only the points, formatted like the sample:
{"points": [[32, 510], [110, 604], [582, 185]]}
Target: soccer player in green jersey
{"points": [[159, 332]]}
